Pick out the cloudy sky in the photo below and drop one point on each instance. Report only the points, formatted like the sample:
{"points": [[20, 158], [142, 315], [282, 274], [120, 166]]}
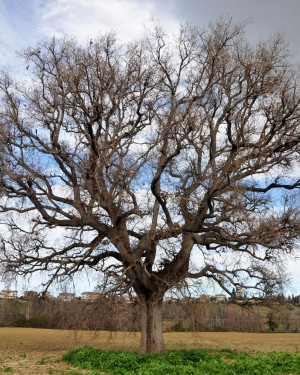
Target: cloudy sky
{"points": [[23, 23]]}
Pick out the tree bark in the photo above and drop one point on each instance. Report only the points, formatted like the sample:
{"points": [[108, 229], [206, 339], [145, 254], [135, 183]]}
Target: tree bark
{"points": [[151, 326]]}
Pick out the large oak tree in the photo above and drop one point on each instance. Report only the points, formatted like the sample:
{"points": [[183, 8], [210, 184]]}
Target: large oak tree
{"points": [[164, 160]]}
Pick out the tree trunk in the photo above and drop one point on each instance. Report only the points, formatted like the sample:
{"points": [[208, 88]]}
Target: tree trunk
{"points": [[151, 326]]}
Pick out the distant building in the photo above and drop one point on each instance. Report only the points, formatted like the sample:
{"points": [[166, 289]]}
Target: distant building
{"points": [[239, 292], [9, 294], [66, 296], [30, 294], [90, 296], [220, 297], [204, 298], [126, 298], [130, 299], [49, 295]]}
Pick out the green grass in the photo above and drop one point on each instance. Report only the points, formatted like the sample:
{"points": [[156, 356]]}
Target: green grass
{"points": [[6, 369], [184, 362], [41, 362], [70, 372]]}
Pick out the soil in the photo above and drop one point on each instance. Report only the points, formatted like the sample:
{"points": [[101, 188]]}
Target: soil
{"points": [[30, 351]]}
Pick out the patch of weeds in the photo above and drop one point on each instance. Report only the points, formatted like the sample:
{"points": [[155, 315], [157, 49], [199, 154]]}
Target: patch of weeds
{"points": [[43, 361], [23, 355], [227, 351], [184, 362], [70, 372], [7, 369]]}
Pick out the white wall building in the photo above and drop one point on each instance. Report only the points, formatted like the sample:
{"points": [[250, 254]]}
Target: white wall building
{"points": [[90, 296], [220, 297], [66, 296], [9, 294]]}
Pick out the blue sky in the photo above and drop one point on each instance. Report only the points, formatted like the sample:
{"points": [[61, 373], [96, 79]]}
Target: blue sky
{"points": [[24, 23]]}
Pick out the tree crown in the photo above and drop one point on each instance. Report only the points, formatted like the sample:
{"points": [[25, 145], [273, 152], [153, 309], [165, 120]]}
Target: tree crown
{"points": [[153, 154]]}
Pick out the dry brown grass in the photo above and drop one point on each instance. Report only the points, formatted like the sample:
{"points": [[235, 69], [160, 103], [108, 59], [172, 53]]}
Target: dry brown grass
{"points": [[43, 347]]}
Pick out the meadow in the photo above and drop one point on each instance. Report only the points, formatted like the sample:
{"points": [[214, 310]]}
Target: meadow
{"points": [[29, 351]]}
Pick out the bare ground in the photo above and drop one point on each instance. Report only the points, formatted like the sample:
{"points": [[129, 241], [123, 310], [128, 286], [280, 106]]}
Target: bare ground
{"points": [[29, 351]]}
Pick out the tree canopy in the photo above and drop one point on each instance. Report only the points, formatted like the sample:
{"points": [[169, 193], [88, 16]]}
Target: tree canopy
{"points": [[163, 160]]}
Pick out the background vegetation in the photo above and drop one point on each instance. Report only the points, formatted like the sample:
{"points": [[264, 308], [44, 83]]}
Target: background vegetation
{"points": [[114, 314]]}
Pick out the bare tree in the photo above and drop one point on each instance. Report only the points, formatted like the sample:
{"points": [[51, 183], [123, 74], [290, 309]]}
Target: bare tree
{"points": [[165, 160]]}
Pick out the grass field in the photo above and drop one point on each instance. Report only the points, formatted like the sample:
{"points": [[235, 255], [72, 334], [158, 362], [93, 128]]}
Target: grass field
{"points": [[36, 351]]}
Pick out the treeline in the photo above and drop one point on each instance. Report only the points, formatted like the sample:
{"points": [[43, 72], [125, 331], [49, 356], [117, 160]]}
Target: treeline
{"points": [[115, 314]]}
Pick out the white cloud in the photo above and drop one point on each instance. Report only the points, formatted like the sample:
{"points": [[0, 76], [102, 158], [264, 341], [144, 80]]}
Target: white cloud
{"points": [[22, 24], [10, 41], [85, 19]]}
